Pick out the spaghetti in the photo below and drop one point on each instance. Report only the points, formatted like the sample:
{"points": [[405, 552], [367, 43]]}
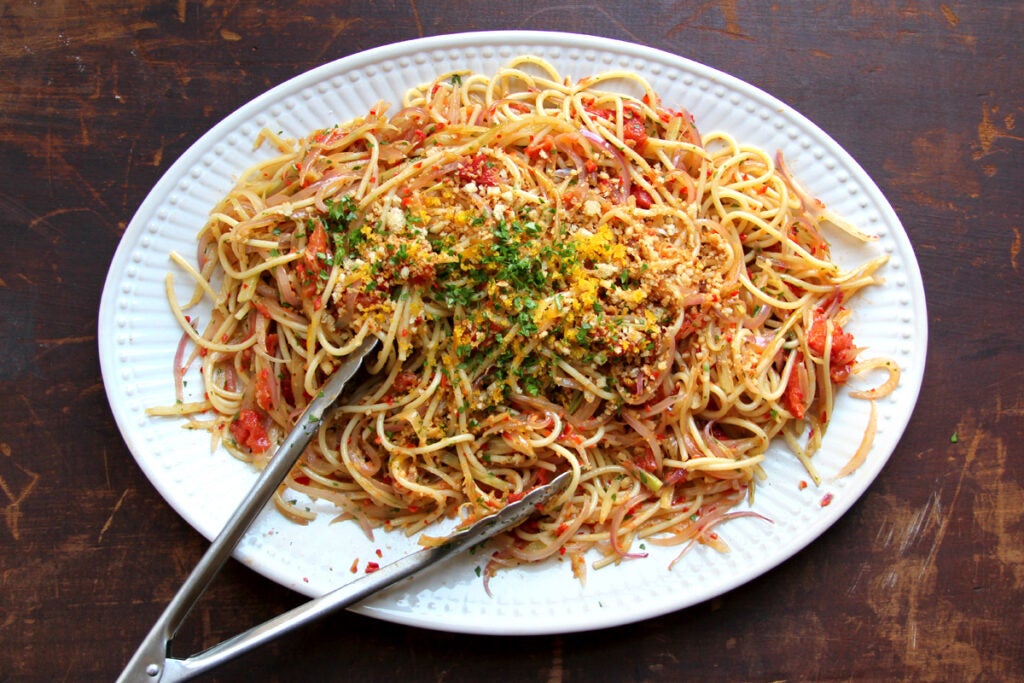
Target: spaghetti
{"points": [[562, 276]]}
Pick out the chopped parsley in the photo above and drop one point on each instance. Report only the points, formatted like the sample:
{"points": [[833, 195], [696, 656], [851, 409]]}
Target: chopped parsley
{"points": [[342, 224]]}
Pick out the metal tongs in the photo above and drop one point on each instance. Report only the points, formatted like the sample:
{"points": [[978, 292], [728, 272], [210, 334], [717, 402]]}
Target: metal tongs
{"points": [[152, 661]]}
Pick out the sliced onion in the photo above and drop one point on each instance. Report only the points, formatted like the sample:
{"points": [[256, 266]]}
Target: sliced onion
{"points": [[663, 405], [406, 122], [181, 367], [865, 445], [284, 287], [204, 243], [564, 143], [646, 433], [231, 378], [626, 182], [676, 476], [815, 207], [711, 520], [712, 441], [616, 522], [275, 391], [340, 184], [886, 388], [758, 320]]}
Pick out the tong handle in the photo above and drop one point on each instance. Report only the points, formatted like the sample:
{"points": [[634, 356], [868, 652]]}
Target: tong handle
{"points": [[355, 591], [148, 662]]}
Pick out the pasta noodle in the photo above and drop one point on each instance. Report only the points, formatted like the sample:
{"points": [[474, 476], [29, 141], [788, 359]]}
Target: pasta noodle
{"points": [[563, 276]]}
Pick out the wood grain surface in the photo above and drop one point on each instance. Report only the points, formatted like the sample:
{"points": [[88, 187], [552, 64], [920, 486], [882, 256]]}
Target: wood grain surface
{"points": [[923, 580]]}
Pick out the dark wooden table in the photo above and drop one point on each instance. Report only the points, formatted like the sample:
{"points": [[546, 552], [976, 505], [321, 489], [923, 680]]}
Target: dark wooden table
{"points": [[922, 580]]}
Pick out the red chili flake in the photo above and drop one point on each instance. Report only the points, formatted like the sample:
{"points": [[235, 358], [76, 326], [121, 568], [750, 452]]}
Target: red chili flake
{"points": [[643, 197], [379, 553], [826, 499], [302, 480], [355, 566], [568, 432], [371, 567], [802, 485], [477, 169], [561, 551], [633, 130]]}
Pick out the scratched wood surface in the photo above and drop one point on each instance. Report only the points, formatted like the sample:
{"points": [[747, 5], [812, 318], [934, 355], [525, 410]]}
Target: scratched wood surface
{"points": [[922, 580]]}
